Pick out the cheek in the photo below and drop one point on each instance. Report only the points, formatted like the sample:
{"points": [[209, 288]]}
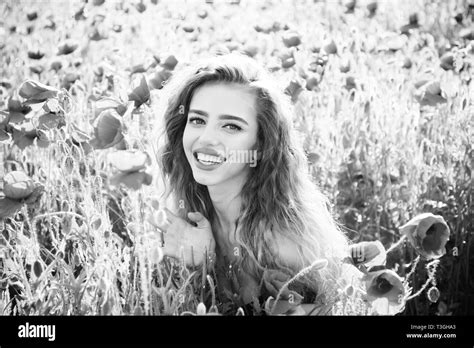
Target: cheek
{"points": [[187, 138]]}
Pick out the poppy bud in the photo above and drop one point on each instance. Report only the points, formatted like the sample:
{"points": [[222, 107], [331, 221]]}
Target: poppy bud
{"points": [[37, 269], [201, 309], [17, 185]]}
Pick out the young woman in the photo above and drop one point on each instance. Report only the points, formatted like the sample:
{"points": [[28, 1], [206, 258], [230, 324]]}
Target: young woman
{"points": [[241, 193]]}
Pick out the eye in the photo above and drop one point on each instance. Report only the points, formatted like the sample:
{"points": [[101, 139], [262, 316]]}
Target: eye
{"points": [[233, 127], [196, 120]]}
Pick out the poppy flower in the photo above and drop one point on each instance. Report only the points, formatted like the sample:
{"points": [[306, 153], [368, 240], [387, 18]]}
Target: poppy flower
{"points": [[27, 133], [129, 160], [429, 93], [97, 35], [447, 61], [36, 92], [160, 78], [250, 50], [330, 46], [4, 119], [133, 180], [428, 234], [109, 103], [56, 65], [141, 93], [312, 82], [291, 39], [35, 54], [368, 253], [18, 189], [69, 79], [287, 60], [170, 62], [32, 15], [67, 47], [17, 185], [385, 287], [294, 89], [50, 120], [108, 128]]}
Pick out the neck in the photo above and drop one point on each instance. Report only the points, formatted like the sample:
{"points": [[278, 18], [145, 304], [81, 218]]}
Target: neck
{"points": [[227, 201]]}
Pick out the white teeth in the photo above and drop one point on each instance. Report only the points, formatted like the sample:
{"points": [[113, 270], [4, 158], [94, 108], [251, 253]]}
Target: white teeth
{"points": [[208, 159]]}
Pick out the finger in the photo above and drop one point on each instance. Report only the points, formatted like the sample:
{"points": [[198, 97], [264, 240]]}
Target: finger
{"points": [[199, 219]]}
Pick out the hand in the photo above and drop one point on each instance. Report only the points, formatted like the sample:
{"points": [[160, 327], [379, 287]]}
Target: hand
{"points": [[181, 239]]}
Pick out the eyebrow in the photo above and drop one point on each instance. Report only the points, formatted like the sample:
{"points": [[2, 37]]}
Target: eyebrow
{"points": [[221, 117]]}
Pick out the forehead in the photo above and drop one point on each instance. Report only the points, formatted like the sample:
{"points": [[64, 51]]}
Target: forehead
{"points": [[217, 98]]}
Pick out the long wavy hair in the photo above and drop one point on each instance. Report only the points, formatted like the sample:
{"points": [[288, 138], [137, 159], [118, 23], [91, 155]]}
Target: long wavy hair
{"points": [[279, 198]]}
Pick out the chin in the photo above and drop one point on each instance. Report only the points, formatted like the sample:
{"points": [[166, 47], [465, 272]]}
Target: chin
{"points": [[204, 179]]}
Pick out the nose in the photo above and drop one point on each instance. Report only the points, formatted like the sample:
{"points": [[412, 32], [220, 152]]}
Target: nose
{"points": [[209, 135]]}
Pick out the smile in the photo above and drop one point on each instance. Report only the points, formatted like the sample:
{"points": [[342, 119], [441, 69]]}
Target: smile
{"points": [[208, 160]]}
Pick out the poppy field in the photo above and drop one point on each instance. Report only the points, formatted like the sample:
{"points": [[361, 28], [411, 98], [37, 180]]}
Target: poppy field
{"points": [[383, 101]]}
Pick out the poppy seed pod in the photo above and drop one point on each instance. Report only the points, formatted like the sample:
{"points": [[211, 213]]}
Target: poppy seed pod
{"points": [[36, 92], [17, 185], [107, 130], [428, 234]]}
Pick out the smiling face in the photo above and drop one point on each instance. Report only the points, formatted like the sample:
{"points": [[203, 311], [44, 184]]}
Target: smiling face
{"points": [[220, 136]]}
